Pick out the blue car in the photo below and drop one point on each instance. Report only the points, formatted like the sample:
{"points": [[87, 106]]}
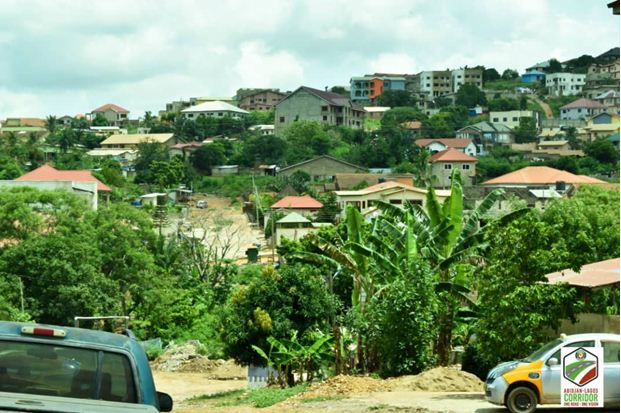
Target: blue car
{"points": [[64, 369]]}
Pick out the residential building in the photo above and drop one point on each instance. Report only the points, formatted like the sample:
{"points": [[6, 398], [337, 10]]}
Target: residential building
{"points": [[375, 112], [598, 126], [216, 109], [486, 134], [131, 141], [414, 128], [322, 168], [431, 84], [614, 139], [395, 193], [466, 76], [184, 149], [610, 100], [369, 87], [304, 205], [564, 84], [534, 198], [329, 108], [443, 163], [258, 99], [24, 127], [347, 181], [262, 129], [540, 177], [441, 144], [114, 114], [225, 170], [511, 118], [581, 108], [552, 149], [533, 76], [294, 227], [80, 182], [125, 157], [601, 77], [65, 121]]}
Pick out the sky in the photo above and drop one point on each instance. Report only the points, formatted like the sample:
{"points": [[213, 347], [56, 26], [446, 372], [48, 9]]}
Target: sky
{"points": [[64, 57]]}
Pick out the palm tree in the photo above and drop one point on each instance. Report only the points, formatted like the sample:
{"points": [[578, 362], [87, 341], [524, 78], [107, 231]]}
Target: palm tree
{"points": [[51, 123]]}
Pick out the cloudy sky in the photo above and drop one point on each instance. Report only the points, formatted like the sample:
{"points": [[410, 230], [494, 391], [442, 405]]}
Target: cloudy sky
{"points": [[71, 56]]}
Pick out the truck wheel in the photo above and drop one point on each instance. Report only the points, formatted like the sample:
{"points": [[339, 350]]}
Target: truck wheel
{"points": [[522, 400]]}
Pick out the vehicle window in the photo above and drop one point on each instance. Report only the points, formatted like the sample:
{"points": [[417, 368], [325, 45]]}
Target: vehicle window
{"points": [[52, 370], [587, 343], [611, 351], [543, 350]]}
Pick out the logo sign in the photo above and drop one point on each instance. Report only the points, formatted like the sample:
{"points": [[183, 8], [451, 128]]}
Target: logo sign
{"points": [[582, 377]]}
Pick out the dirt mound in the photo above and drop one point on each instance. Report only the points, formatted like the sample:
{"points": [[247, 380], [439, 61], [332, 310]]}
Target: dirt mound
{"points": [[342, 385], [186, 358], [441, 379]]}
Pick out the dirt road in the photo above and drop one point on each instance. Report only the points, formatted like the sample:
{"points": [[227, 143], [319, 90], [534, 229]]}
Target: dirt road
{"points": [[183, 386]]}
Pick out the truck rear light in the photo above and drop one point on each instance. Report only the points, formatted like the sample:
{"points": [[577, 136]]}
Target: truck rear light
{"points": [[42, 331]]}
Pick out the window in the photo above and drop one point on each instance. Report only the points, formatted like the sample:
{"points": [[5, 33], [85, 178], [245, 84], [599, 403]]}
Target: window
{"points": [[611, 351], [465, 167], [325, 108], [448, 166], [395, 201], [190, 115], [515, 119], [282, 119], [504, 119], [495, 120], [587, 343], [325, 118], [220, 114]]}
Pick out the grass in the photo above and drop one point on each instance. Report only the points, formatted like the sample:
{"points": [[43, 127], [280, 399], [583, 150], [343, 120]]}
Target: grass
{"points": [[556, 102], [378, 407], [322, 399], [263, 397], [505, 84]]}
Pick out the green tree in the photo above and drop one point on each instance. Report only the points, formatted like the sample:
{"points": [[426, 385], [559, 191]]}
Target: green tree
{"points": [[149, 152], [526, 131], [167, 174], [100, 120], [503, 104], [490, 74], [396, 98], [278, 302], [51, 123], [603, 151], [10, 168], [510, 74], [554, 67], [470, 95], [208, 156]]}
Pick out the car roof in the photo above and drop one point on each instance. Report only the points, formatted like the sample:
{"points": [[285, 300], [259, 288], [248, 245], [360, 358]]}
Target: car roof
{"points": [[73, 335], [593, 336]]}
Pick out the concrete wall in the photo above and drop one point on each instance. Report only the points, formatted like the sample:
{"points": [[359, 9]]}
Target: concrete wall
{"points": [[510, 118], [443, 175], [591, 323], [322, 168], [302, 106]]}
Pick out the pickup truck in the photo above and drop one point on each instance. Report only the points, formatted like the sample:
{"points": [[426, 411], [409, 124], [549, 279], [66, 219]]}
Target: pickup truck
{"points": [[46, 368]]}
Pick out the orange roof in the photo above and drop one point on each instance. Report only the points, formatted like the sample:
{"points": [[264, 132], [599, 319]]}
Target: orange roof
{"points": [[592, 275], [35, 122], [448, 142], [47, 173], [452, 155], [111, 106], [298, 202], [539, 175]]}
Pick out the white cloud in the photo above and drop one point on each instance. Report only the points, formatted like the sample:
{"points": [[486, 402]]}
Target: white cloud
{"points": [[259, 67], [392, 63]]}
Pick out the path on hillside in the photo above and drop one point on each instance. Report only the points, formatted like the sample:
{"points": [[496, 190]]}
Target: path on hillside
{"points": [[546, 108]]}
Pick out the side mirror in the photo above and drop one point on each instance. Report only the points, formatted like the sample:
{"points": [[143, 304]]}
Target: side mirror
{"points": [[165, 401], [552, 362]]}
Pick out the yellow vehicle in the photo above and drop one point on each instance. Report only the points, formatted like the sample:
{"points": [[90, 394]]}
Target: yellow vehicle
{"points": [[523, 384]]}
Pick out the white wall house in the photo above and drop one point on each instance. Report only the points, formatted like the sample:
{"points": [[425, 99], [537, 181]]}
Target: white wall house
{"points": [[216, 109], [564, 84], [511, 118]]}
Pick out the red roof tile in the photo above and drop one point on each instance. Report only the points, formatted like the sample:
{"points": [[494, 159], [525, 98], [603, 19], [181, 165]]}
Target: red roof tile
{"points": [[298, 202], [448, 142], [540, 175], [112, 106], [592, 275], [452, 155], [47, 173]]}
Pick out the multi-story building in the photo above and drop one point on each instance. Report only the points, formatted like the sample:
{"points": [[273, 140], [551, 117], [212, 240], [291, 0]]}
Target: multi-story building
{"points": [[610, 99], [466, 76], [564, 84], [258, 99], [306, 103], [114, 114], [511, 118], [435, 83], [600, 78], [369, 87]]}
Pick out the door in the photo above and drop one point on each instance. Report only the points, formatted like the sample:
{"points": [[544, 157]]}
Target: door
{"points": [[611, 371], [551, 375]]}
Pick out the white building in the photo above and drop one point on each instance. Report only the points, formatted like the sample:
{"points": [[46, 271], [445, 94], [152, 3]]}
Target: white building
{"points": [[564, 84], [511, 118], [216, 109]]}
